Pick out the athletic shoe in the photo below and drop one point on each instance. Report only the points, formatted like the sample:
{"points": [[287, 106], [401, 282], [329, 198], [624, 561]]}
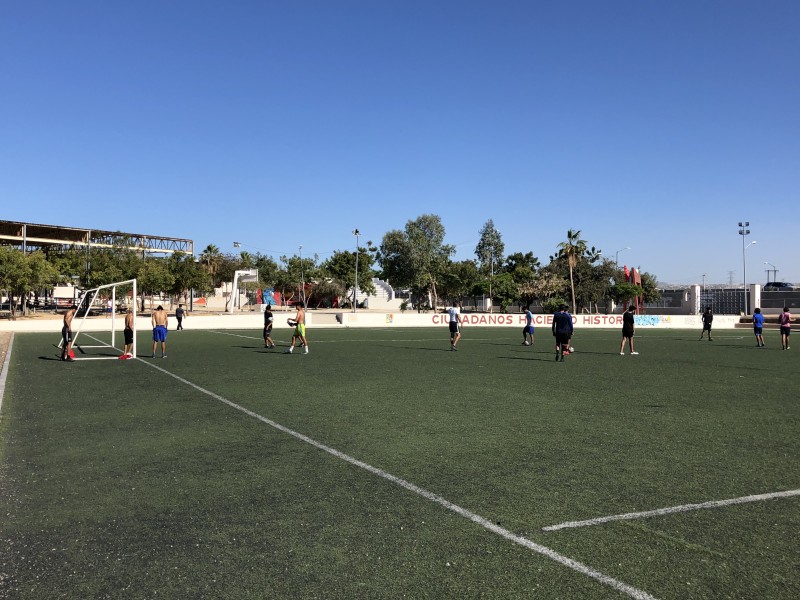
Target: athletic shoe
{"points": [[622, 354], [122, 356], [562, 358], [633, 353], [154, 355], [69, 359], [710, 340], [306, 350], [289, 351]]}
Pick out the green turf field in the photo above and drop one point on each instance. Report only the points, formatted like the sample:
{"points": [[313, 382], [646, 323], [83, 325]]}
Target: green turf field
{"points": [[186, 478]]}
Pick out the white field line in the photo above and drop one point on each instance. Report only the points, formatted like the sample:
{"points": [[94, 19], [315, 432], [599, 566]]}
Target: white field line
{"points": [[672, 509], [4, 373], [624, 588], [436, 339]]}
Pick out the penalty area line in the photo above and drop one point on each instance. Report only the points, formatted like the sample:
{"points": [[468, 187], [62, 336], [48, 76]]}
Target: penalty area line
{"points": [[579, 567], [672, 509]]}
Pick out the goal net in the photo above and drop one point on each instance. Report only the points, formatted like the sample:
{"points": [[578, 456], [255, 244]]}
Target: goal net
{"points": [[99, 323]]}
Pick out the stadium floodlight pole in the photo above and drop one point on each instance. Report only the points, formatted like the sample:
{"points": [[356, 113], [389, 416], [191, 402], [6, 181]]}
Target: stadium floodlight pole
{"points": [[302, 279], [773, 270], [744, 232], [356, 233], [616, 255]]}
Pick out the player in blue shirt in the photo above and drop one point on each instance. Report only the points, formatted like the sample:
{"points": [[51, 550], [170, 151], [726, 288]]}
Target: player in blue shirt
{"points": [[758, 327], [528, 329]]}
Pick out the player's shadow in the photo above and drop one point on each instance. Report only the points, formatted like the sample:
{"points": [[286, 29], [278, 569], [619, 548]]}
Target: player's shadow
{"points": [[416, 348], [58, 358], [539, 358]]}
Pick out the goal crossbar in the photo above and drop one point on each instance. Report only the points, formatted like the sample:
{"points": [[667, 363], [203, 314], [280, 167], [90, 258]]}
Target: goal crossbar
{"points": [[87, 303]]}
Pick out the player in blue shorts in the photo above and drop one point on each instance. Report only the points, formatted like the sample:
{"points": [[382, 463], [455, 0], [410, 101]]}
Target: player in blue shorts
{"points": [[160, 321], [527, 331], [758, 327]]}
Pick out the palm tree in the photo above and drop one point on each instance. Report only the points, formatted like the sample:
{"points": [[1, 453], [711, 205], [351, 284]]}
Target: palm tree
{"points": [[210, 257], [573, 249]]}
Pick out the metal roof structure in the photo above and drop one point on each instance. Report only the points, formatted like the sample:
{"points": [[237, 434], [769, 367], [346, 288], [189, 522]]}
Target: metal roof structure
{"points": [[32, 236]]}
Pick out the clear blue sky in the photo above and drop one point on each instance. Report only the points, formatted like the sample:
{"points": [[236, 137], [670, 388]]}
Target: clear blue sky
{"points": [[654, 125]]}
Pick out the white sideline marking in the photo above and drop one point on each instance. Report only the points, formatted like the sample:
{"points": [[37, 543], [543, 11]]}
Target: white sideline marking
{"points": [[672, 509], [436, 339], [4, 373], [631, 591]]}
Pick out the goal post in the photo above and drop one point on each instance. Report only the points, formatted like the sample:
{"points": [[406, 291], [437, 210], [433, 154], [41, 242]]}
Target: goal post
{"points": [[103, 341]]}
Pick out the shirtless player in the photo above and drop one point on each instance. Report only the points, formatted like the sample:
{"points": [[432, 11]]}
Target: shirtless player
{"points": [[159, 320]]}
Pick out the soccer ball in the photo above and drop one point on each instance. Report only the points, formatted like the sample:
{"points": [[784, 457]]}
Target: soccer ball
{"points": [[527, 343], [571, 349]]}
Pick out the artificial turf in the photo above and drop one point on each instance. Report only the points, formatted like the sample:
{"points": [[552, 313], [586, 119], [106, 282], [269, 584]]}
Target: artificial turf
{"points": [[133, 479]]}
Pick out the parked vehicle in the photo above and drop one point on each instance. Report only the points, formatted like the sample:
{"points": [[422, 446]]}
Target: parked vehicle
{"points": [[779, 286]]}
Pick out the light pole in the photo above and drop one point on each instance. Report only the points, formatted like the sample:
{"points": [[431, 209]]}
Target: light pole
{"points": [[616, 255], [302, 279], [773, 270], [744, 232], [356, 233]]}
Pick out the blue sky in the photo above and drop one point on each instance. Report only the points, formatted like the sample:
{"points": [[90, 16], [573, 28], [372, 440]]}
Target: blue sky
{"points": [[650, 125]]}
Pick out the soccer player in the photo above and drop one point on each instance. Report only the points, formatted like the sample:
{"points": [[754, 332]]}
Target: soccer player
{"points": [[180, 313], [527, 331], [268, 320], [562, 330], [66, 334], [785, 321], [160, 321], [758, 327], [299, 330], [127, 351], [707, 320], [628, 328], [454, 323]]}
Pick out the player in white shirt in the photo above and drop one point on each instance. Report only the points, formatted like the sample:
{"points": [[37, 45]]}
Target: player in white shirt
{"points": [[455, 325]]}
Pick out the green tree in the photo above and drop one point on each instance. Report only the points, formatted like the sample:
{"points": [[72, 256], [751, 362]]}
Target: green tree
{"points": [[187, 275], [154, 277], [461, 279], [544, 286], [572, 250], [490, 251], [650, 291], [21, 273], [416, 257], [341, 267], [211, 257], [625, 291], [523, 267]]}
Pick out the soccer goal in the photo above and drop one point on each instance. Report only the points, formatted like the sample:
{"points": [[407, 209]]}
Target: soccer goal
{"points": [[96, 321]]}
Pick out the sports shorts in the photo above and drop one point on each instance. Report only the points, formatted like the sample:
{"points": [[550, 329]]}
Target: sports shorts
{"points": [[528, 329], [627, 333], [128, 335], [159, 333], [786, 330], [707, 327], [453, 326], [267, 330], [66, 335], [758, 330], [300, 330], [562, 338]]}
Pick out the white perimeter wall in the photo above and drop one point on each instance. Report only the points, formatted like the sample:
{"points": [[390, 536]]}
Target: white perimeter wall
{"points": [[379, 319]]}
